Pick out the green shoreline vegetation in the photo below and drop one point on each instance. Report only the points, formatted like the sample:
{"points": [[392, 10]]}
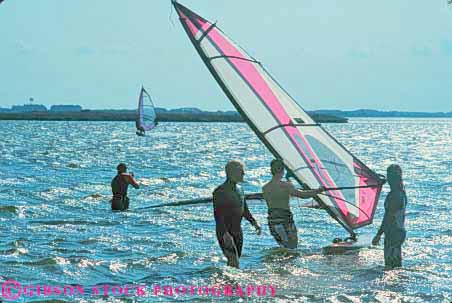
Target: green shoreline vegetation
{"points": [[40, 113], [130, 115]]}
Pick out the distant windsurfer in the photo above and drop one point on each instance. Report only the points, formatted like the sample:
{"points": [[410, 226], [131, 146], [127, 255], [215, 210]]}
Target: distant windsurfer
{"points": [[146, 118], [140, 130], [229, 209], [277, 195], [393, 225], [119, 186]]}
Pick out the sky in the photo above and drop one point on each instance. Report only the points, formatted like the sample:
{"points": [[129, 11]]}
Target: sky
{"points": [[385, 55]]}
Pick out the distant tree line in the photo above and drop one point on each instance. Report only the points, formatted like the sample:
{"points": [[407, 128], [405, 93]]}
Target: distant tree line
{"points": [[130, 115]]}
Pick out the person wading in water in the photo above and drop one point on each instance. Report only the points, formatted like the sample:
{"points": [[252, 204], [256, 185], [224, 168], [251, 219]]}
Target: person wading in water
{"points": [[277, 194], [119, 186], [229, 208], [393, 225]]}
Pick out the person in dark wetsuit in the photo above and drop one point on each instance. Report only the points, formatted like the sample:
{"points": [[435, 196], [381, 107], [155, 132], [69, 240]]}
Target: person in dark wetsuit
{"points": [[229, 208], [119, 186], [393, 225]]}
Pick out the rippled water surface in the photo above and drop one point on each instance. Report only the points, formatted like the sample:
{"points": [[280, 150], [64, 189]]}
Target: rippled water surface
{"points": [[57, 227]]}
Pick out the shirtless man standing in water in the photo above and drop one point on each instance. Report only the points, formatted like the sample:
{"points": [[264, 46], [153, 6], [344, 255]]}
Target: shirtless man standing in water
{"points": [[229, 208], [277, 195]]}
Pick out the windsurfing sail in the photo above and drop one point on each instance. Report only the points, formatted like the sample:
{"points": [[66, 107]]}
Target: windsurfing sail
{"points": [[309, 152], [146, 116]]}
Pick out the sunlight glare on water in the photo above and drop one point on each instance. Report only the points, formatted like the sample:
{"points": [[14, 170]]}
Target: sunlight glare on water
{"points": [[58, 228]]}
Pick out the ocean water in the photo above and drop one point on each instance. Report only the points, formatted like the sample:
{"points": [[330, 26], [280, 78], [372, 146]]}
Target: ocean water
{"points": [[57, 228]]}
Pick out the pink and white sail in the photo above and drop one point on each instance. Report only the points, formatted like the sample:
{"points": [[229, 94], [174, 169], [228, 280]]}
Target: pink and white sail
{"points": [[310, 153]]}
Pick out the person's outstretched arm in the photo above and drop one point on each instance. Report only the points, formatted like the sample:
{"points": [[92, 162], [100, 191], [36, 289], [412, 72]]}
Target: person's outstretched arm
{"points": [[304, 194], [131, 180]]}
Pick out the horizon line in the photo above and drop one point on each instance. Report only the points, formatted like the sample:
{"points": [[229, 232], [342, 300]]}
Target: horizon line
{"points": [[230, 110]]}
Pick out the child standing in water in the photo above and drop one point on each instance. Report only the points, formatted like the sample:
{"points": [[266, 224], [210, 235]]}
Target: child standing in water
{"points": [[393, 225]]}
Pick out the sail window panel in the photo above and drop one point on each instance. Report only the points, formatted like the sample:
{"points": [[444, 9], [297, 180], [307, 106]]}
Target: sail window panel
{"points": [[333, 170], [333, 199], [334, 158], [334, 165], [321, 135], [340, 169], [363, 199], [292, 148]]}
